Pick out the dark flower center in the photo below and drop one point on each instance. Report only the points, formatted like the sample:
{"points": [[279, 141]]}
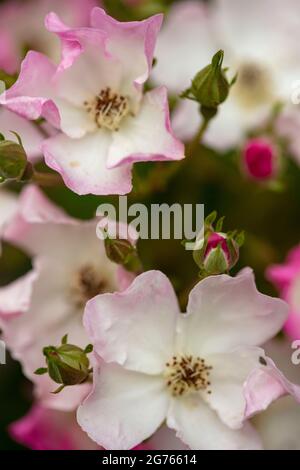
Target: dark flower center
{"points": [[187, 373], [87, 285], [108, 109]]}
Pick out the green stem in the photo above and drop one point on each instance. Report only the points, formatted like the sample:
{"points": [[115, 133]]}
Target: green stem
{"points": [[192, 146], [46, 179]]}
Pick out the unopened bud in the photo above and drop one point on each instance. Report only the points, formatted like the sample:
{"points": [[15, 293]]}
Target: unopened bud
{"points": [[67, 364], [260, 159], [216, 252], [210, 86], [123, 252], [221, 254], [13, 160]]}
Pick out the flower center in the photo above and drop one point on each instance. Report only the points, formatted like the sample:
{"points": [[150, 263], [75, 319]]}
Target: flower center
{"points": [[87, 285], [254, 85], [108, 109], [187, 374]]}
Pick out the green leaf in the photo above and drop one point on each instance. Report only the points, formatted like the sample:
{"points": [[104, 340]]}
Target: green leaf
{"points": [[219, 224], [209, 220], [89, 349], [240, 238], [64, 339]]}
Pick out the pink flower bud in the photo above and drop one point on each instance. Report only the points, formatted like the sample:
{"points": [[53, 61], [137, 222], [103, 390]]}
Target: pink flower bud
{"points": [[215, 240], [260, 159], [221, 253]]}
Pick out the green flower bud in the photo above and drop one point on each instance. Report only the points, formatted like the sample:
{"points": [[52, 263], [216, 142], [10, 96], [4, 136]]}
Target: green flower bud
{"points": [[13, 160], [67, 364], [210, 87], [122, 251], [217, 252]]}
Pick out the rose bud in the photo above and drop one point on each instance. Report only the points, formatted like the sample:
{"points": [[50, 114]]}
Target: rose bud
{"points": [[260, 159], [67, 364], [216, 252], [220, 254]]}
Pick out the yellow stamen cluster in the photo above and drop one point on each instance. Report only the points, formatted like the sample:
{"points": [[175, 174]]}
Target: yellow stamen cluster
{"points": [[108, 109], [187, 373]]}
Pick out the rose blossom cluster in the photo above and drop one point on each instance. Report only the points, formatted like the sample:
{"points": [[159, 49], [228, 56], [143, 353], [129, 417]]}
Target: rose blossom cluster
{"points": [[161, 377]]}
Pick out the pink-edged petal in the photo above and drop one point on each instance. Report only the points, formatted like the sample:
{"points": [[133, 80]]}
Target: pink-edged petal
{"points": [[148, 135], [188, 23], [124, 326], [31, 95], [229, 372], [124, 408], [132, 42], [82, 164], [200, 428], [15, 298], [265, 385], [31, 137], [225, 312], [85, 52], [45, 429]]}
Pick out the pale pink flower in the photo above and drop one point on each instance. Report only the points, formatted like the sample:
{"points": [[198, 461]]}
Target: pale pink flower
{"points": [[279, 425], [260, 40], [286, 277], [69, 267], [22, 26], [95, 97], [45, 429], [195, 371]]}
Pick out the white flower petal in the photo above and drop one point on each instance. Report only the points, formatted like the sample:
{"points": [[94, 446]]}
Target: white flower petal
{"points": [[229, 372], [135, 328], [201, 429], [147, 135], [226, 312], [124, 407], [82, 164]]}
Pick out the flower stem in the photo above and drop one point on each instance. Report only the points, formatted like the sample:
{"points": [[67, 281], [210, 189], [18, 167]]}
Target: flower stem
{"points": [[46, 179], [192, 146]]}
